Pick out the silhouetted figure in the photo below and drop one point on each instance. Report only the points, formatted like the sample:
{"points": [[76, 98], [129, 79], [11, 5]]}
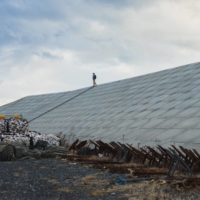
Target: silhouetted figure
{"points": [[94, 79], [31, 143], [7, 126]]}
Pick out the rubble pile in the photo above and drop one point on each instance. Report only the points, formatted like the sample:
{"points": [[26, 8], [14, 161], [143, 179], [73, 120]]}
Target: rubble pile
{"points": [[25, 138], [14, 125], [51, 139], [2, 125], [17, 130], [18, 126], [17, 142]]}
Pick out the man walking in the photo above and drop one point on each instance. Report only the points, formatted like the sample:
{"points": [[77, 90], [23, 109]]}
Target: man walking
{"points": [[94, 79]]}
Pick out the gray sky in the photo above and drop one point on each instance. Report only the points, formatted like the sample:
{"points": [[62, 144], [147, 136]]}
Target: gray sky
{"points": [[55, 45]]}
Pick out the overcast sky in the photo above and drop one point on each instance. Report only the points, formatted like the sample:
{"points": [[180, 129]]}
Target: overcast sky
{"points": [[55, 45]]}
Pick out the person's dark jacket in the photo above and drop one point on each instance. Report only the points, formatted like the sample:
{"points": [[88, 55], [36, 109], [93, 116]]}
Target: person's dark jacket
{"points": [[94, 77]]}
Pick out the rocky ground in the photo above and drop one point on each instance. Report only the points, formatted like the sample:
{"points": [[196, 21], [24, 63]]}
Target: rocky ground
{"points": [[56, 179]]}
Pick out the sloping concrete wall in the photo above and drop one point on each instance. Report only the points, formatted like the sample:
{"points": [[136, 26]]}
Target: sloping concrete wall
{"points": [[33, 106], [158, 108]]}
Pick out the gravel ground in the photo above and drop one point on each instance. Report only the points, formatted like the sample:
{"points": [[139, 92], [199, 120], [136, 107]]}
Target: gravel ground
{"points": [[56, 179], [53, 179]]}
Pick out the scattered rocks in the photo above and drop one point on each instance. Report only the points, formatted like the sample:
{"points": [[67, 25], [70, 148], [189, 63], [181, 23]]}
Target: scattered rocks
{"points": [[17, 130], [37, 180], [25, 138], [57, 179]]}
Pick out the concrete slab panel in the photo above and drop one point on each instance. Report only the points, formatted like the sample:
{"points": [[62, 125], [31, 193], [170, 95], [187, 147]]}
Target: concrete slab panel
{"points": [[135, 133], [158, 99], [138, 123], [188, 123], [197, 88], [170, 113], [132, 108], [154, 114], [126, 123], [143, 107], [171, 105], [186, 103], [151, 134], [172, 97], [186, 96], [187, 88], [142, 114], [156, 106], [197, 139], [169, 123], [188, 136], [153, 123], [188, 112]]}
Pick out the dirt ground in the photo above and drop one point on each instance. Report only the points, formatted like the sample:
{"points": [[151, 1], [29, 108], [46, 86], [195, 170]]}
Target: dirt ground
{"points": [[57, 179]]}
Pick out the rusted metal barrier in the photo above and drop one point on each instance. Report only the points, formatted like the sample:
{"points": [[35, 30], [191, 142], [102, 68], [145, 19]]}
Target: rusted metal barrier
{"points": [[147, 163], [173, 157], [77, 145], [73, 146], [88, 159], [134, 170], [177, 161]]}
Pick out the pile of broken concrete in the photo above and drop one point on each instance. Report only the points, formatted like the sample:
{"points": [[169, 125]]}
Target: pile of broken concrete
{"points": [[17, 130]]}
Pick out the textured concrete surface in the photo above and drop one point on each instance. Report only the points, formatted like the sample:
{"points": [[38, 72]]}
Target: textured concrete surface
{"points": [[158, 108]]}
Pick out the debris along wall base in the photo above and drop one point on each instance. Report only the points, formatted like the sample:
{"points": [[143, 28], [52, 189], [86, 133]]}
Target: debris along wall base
{"points": [[16, 129], [174, 158], [174, 165]]}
